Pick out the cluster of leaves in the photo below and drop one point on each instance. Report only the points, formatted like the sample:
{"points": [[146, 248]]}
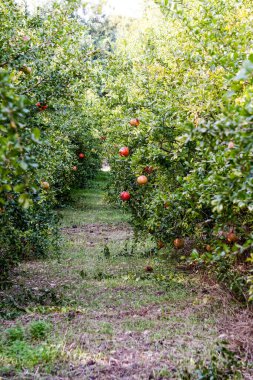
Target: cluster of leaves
{"points": [[185, 71], [46, 76]]}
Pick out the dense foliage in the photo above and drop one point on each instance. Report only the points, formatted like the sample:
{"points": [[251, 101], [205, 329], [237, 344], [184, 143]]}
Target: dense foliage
{"points": [[45, 80], [186, 72]]}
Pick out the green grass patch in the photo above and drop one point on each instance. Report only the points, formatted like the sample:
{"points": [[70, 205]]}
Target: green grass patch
{"points": [[90, 206], [28, 347]]}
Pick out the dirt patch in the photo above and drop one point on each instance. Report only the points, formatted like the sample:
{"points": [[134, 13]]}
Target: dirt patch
{"points": [[238, 330], [98, 233]]}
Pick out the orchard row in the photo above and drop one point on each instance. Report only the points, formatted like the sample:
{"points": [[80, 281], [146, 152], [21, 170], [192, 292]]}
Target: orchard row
{"points": [[49, 142], [192, 98]]}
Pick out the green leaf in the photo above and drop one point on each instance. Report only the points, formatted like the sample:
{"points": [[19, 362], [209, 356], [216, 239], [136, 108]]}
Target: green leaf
{"points": [[19, 188], [35, 134], [23, 165]]}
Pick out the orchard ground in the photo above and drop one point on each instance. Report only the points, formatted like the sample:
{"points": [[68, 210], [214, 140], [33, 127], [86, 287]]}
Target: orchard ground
{"points": [[95, 313]]}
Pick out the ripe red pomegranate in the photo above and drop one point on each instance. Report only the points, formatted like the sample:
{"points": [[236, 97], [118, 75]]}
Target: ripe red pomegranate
{"points": [[125, 196], [81, 155], [124, 151], [149, 269]]}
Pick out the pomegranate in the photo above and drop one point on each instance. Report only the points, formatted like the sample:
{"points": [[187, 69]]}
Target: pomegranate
{"points": [[178, 243], [231, 145], [45, 185], [231, 237], [134, 122], [125, 196], [124, 151], [142, 180]]}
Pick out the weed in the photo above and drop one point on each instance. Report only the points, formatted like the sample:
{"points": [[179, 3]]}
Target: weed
{"points": [[39, 329], [15, 333], [17, 348], [106, 252]]}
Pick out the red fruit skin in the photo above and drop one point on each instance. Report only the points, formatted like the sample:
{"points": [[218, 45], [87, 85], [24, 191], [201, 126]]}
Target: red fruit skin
{"points": [[74, 168], [125, 196], [38, 104], [44, 107], [81, 155], [124, 151], [148, 268]]}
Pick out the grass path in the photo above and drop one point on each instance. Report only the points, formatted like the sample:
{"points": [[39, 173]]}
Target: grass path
{"points": [[103, 316]]}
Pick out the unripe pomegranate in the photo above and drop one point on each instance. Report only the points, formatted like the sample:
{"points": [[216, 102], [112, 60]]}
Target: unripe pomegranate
{"points": [[178, 243], [208, 248], [45, 185], [74, 168], [134, 122], [142, 180], [231, 237], [231, 145], [26, 70]]}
